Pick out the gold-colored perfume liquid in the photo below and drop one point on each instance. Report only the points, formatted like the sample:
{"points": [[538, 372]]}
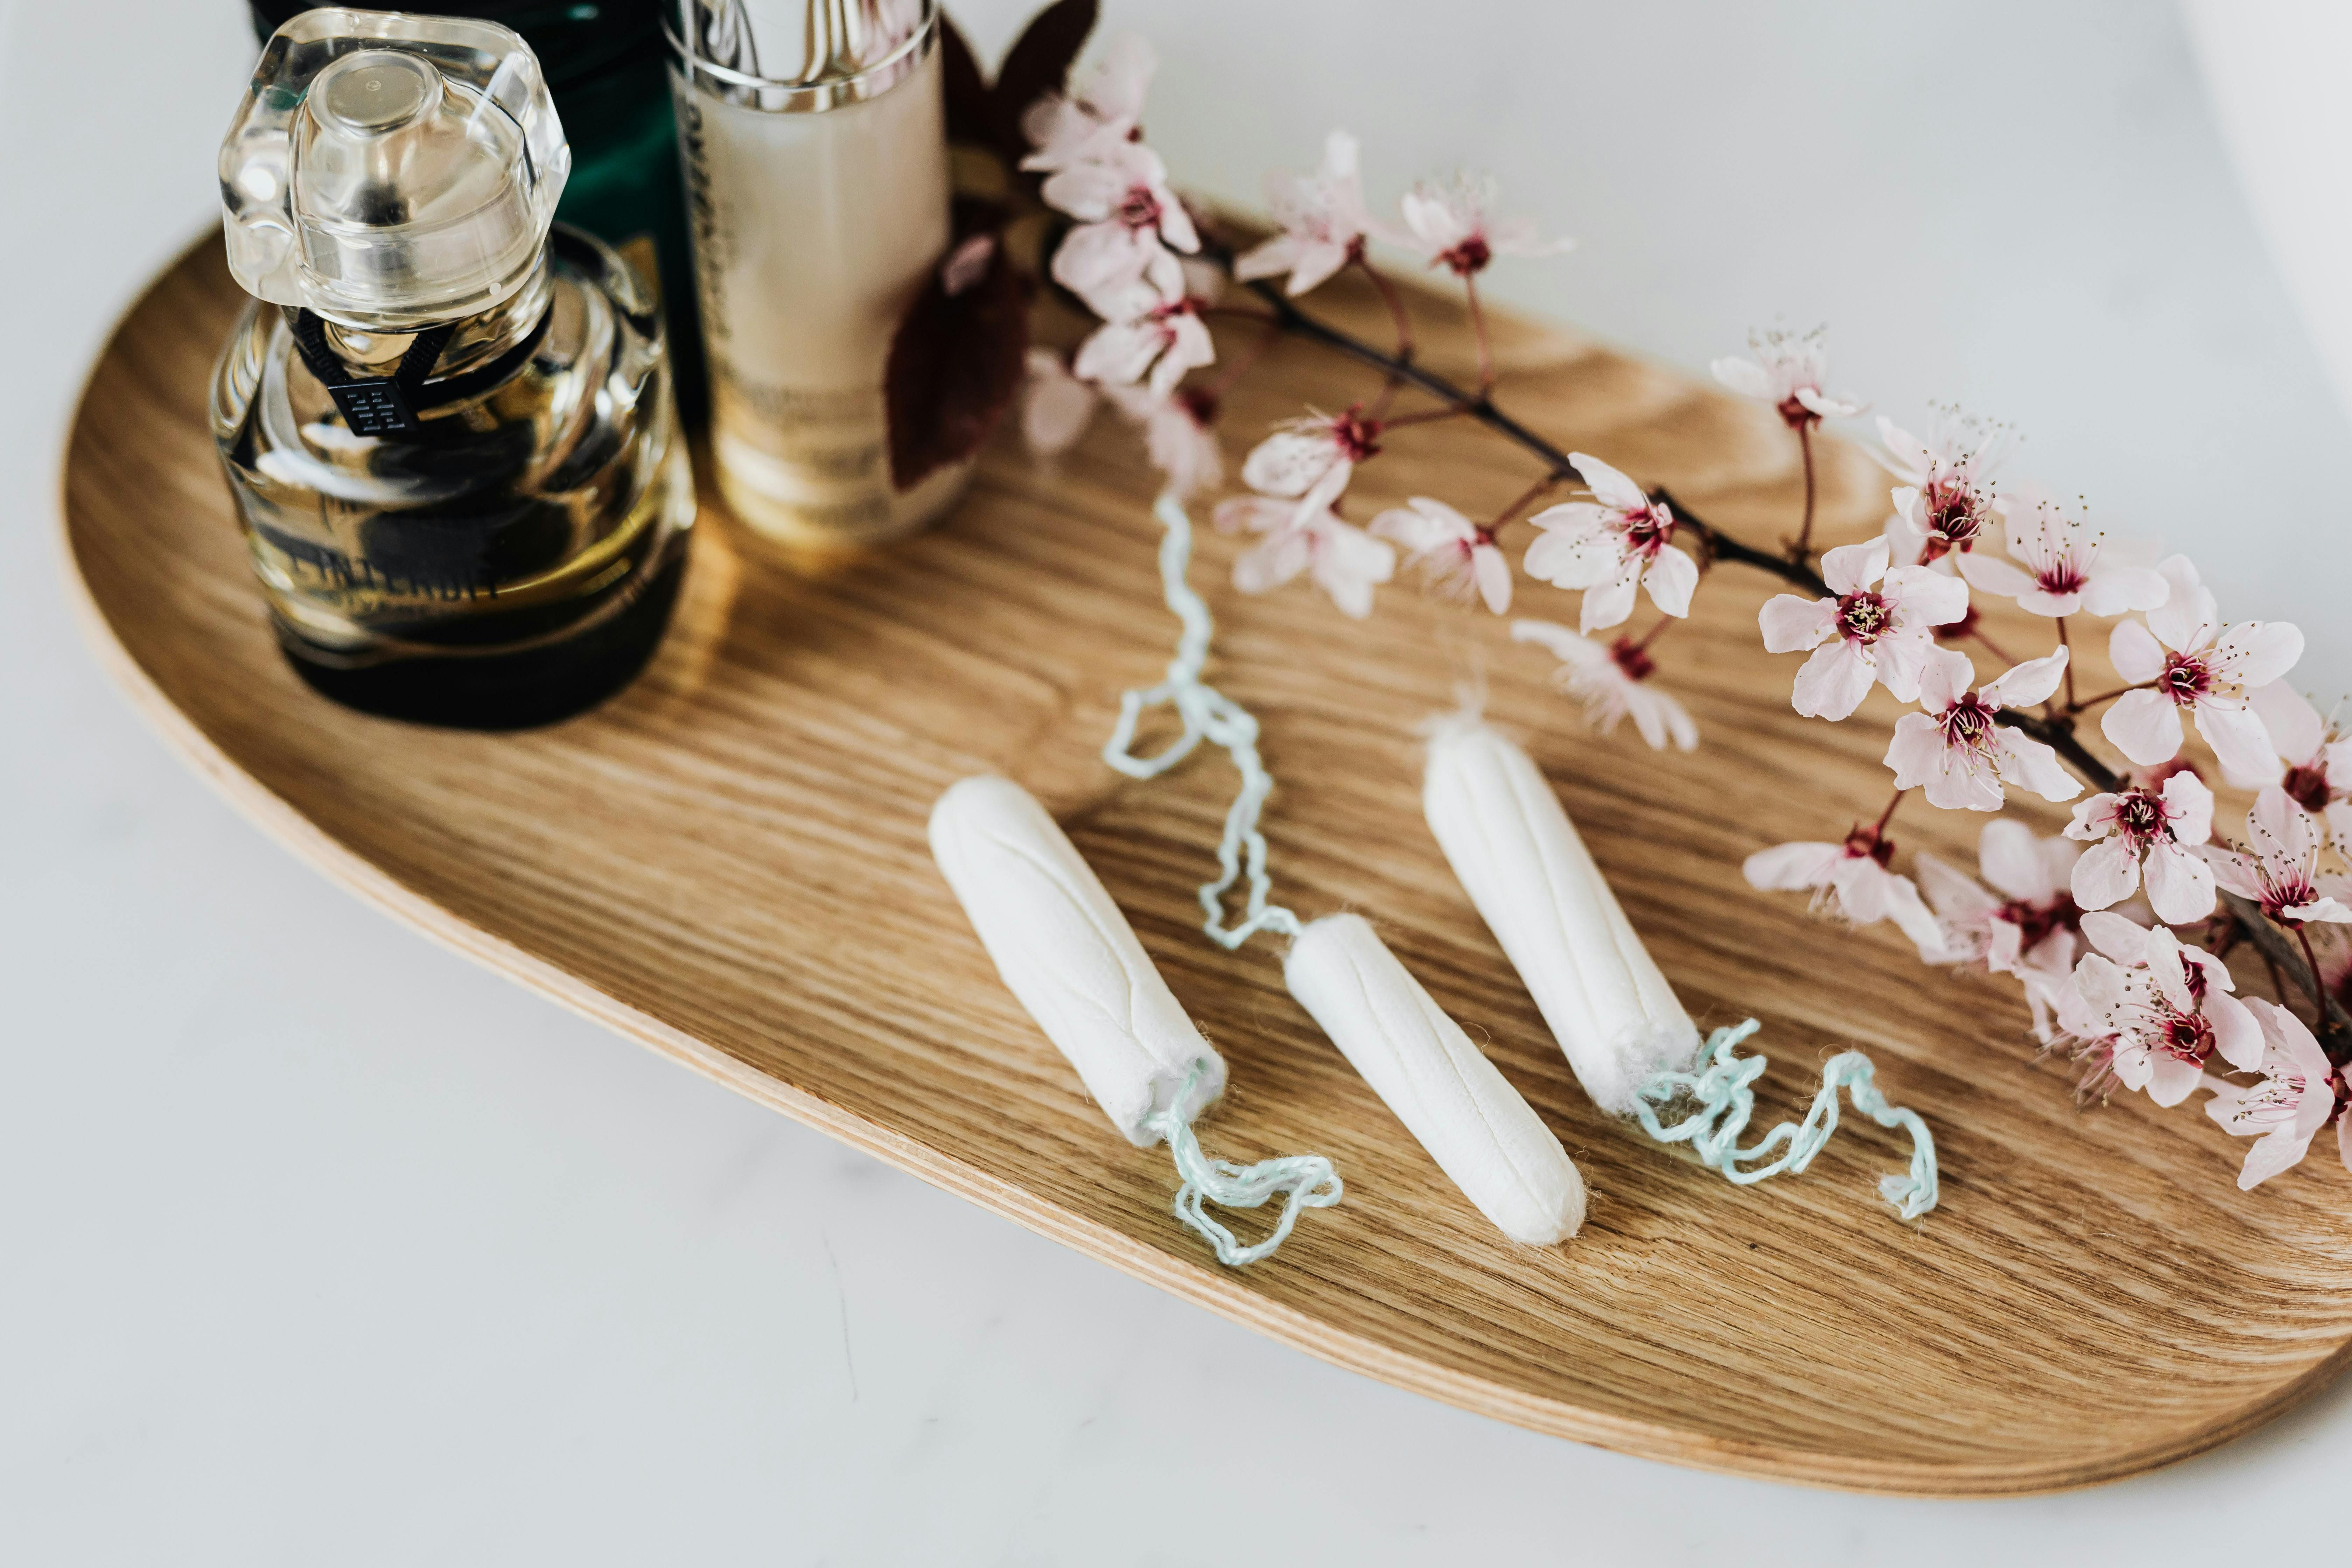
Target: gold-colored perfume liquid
{"points": [[513, 558]]}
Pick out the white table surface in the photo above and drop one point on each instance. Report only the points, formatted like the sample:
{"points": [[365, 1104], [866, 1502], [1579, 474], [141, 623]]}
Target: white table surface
{"points": [[319, 1245]]}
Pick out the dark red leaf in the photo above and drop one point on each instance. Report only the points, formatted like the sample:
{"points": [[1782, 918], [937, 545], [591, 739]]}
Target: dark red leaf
{"points": [[955, 364], [1038, 63], [968, 215], [971, 115]]}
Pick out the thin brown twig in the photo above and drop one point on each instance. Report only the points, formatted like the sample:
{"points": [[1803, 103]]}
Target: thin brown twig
{"points": [[1528, 497], [1397, 312], [1802, 549], [1240, 313], [1991, 646], [1878, 830], [1245, 359], [2311, 962], [2278, 980], [1486, 344], [1422, 417], [2072, 707]]}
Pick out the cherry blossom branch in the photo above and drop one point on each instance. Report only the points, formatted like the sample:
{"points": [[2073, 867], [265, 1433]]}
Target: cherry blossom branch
{"points": [[1395, 302], [1665, 623], [1477, 405], [2269, 940], [1991, 646], [1528, 497], [1721, 546], [2278, 975], [1480, 406], [1246, 358], [1120, 260], [2335, 1029], [1420, 416], [1479, 325], [2074, 706], [2057, 732], [1878, 829], [2311, 975], [1803, 548]]}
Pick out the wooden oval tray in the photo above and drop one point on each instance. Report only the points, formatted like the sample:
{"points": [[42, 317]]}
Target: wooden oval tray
{"points": [[727, 863]]}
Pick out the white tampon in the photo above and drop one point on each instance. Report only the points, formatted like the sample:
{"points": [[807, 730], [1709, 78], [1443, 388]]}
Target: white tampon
{"points": [[1070, 957], [1518, 858], [1482, 1135]]}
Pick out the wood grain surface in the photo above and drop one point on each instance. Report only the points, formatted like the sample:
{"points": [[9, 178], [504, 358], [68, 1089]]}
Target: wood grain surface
{"points": [[728, 862]]}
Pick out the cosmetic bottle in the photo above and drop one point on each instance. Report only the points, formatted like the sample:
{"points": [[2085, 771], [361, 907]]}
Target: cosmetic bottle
{"points": [[447, 426], [603, 64], [816, 174]]}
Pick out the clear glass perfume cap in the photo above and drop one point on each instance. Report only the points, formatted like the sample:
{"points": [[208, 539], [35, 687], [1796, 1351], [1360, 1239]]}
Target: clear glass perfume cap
{"points": [[391, 171], [799, 55]]}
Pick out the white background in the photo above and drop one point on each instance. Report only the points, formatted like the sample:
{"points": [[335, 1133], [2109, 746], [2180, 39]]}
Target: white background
{"points": [[318, 1244]]}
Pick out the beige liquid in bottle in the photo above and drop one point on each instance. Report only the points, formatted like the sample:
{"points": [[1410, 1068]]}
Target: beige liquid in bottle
{"points": [[820, 207]]}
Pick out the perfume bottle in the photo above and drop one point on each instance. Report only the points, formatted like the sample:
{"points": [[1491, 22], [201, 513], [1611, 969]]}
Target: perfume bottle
{"points": [[603, 65], [814, 133], [447, 425]]}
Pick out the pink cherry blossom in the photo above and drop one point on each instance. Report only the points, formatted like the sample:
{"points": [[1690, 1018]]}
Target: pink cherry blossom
{"points": [[1055, 406], [1609, 544], [2162, 829], [1344, 561], [1322, 219], [2167, 1005], [1311, 458], [2087, 1041], [1944, 504], [2279, 866], [1178, 435], [2025, 926], [1450, 224], [2062, 574], [2035, 914], [1099, 117], [1959, 749], [1126, 214], [2319, 757], [1850, 881], [1611, 680], [967, 264], [2188, 660], [1454, 556], [1878, 626], [1787, 373], [2298, 1094], [1150, 324]]}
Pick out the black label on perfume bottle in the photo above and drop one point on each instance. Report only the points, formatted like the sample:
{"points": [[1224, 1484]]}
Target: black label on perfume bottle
{"points": [[373, 407], [372, 404], [446, 578]]}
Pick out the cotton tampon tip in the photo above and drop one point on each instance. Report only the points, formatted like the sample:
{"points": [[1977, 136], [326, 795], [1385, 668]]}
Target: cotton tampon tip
{"points": [[1478, 1128]]}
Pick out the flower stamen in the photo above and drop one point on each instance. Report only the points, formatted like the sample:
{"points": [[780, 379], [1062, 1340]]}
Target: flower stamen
{"points": [[1863, 618]]}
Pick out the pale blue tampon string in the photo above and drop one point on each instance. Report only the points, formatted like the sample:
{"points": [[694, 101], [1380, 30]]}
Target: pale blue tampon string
{"points": [[1307, 1181], [1725, 1102], [1205, 713]]}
